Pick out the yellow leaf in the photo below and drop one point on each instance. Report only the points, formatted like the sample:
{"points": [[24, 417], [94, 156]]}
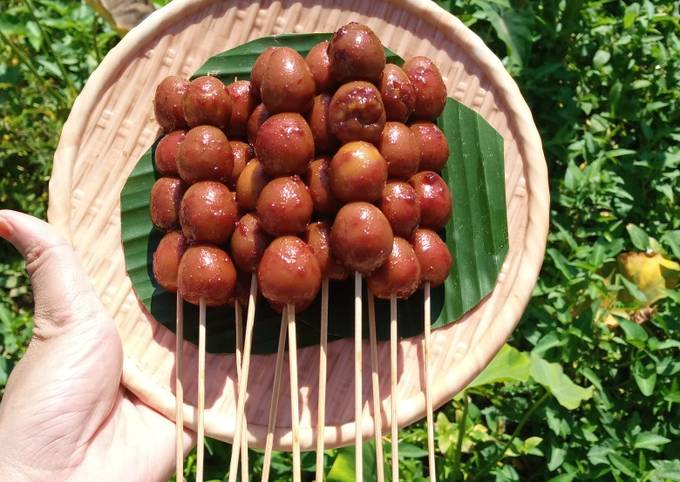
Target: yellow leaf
{"points": [[651, 273], [610, 317]]}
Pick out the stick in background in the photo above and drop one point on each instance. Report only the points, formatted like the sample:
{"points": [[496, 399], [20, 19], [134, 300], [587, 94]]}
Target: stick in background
{"points": [[323, 359], [358, 431], [399, 276], [276, 392], [179, 390], [243, 380], [215, 286], [393, 387], [201, 390], [375, 382], [295, 414], [238, 329], [361, 239], [435, 261], [289, 275], [428, 395]]}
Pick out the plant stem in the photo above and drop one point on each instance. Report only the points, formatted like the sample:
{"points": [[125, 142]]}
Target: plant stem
{"points": [[95, 29], [516, 432], [48, 46], [461, 436], [17, 51], [23, 58]]}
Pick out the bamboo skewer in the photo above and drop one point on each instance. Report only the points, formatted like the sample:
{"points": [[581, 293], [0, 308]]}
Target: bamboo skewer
{"points": [[274, 405], [393, 387], [428, 395], [294, 410], [179, 390], [238, 329], [358, 430], [323, 359], [201, 390], [375, 382], [245, 475], [243, 381]]}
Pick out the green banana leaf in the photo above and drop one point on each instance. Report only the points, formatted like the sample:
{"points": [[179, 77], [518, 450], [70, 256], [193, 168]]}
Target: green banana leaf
{"points": [[477, 233], [236, 63]]}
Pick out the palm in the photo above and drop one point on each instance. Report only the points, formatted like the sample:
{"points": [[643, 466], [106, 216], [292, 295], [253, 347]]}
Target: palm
{"points": [[65, 414], [134, 438]]}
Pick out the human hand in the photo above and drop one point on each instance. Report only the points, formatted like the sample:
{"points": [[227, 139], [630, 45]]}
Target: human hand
{"points": [[64, 414]]}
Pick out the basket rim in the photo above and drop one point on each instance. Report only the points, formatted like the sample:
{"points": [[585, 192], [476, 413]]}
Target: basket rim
{"points": [[488, 341]]}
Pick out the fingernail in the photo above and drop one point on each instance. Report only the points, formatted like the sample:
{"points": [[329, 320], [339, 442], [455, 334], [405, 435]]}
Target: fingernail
{"points": [[5, 229]]}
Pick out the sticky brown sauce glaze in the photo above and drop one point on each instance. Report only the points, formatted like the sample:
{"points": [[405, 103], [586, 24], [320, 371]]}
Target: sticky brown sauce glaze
{"points": [[168, 101], [433, 255], [284, 145], [401, 207], [432, 145], [398, 94], [256, 119], [249, 185], [207, 102], [339, 118], [165, 156], [318, 236], [205, 155], [399, 148], [399, 276], [356, 113], [285, 206], [166, 260], [244, 99], [242, 153], [206, 272], [318, 180], [164, 203], [248, 243], [356, 53], [361, 237], [259, 67], [289, 272], [358, 173], [320, 65], [434, 197], [318, 119], [429, 86], [208, 213], [287, 84]]}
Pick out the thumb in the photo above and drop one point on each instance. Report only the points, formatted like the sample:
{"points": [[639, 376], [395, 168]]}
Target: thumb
{"points": [[63, 389], [63, 294]]}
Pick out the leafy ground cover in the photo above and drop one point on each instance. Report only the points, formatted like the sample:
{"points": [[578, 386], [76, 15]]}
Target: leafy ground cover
{"points": [[587, 388]]}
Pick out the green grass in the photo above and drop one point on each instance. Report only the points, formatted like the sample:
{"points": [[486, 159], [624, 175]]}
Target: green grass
{"points": [[574, 399]]}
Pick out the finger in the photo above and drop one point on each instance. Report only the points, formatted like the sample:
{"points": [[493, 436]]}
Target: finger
{"points": [[71, 326], [164, 428], [27, 233], [65, 385], [63, 293]]}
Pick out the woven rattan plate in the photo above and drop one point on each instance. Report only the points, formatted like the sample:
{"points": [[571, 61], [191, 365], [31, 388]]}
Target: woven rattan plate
{"points": [[112, 124]]}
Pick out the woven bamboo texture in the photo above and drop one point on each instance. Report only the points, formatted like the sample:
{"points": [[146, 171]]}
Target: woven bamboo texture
{"points": [[112, 124]]}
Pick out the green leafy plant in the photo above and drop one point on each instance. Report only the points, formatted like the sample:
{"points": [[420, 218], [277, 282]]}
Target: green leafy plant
{"points": [[47, 50]]}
